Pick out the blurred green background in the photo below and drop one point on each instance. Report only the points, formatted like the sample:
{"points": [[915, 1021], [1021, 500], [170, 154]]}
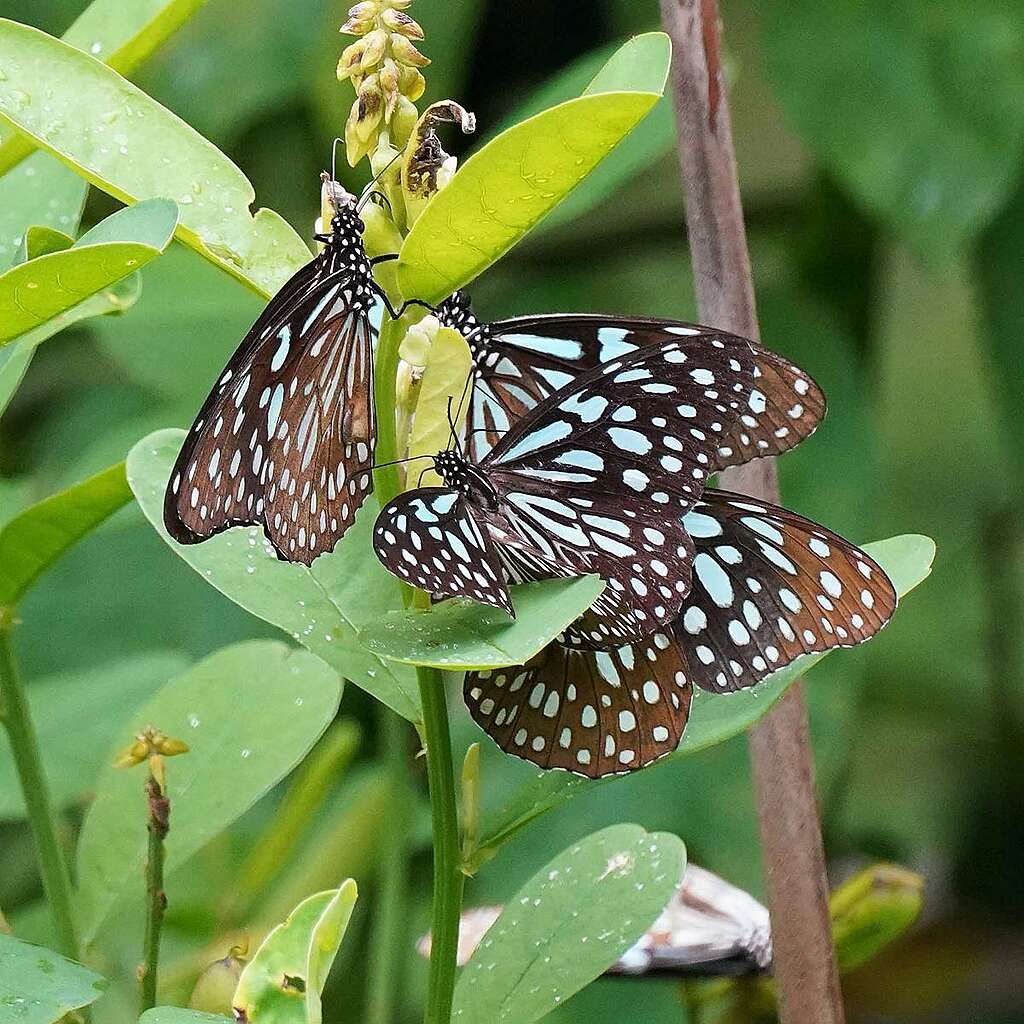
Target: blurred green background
{"points": [[880, 155]]}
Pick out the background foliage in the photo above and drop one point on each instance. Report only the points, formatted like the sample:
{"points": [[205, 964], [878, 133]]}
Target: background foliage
{"points": [[880, 157]]}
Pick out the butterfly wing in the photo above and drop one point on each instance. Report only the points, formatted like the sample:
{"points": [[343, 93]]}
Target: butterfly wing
{"points": [[286, 437], [592, 714], [769, 586], [430, 539], [522, 361]]}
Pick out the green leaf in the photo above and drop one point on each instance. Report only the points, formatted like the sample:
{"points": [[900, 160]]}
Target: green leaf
{"points": [[463, 634], [283, 981], [178, 1015], [713, 717], [323, 607], [569, 924], [41, 240], [127, 144], [78, 716], [120, 35], [448, 368], [41, 191], [915, 108], [32, 541], [249, 713], [38, 986], [503, 190], [33, 293]]}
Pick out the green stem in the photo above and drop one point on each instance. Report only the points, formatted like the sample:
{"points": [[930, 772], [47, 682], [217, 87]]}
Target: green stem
{"points": [[53, 868], [156, 900], [387, 941], [448, 877]]}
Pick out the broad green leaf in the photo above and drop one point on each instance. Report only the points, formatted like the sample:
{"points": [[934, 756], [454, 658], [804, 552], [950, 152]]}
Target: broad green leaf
{"points": [[41, 190], [179, 1015], [120, 35], [283, 981], [462, 634], [32, 541], [38, 986], [41, 240], [449, 367], [127, 144], [569, 924], [78, 716], [713, 717], [33, 293], [249, 713], [15, 357], [503, 190], [915, 108], [323, 607]]}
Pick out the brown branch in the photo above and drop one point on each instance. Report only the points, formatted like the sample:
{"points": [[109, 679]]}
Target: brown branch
{"points": [[780, 750]]}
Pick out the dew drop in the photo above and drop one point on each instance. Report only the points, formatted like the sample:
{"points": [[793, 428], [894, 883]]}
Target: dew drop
{"points": [[95, 48], [246, 752]]}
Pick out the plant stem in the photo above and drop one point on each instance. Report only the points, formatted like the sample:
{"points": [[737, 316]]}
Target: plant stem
{"points": [[448, 878], [783, 765], [156, 900], [387, 947], [35, 791]]}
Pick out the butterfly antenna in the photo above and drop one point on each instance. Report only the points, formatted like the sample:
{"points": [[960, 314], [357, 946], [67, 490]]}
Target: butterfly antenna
{"points": [[454, 442], [334, 158], [368, 191], [400, 462]]}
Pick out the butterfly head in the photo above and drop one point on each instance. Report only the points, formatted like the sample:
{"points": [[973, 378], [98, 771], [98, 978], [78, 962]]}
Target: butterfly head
{"points": [[457, 312], [461, 475]]}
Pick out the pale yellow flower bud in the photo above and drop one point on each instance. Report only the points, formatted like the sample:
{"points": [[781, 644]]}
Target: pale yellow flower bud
{"points": [[411, 82], [351, 58], [373, 49], [396, 21], [405, 53]]}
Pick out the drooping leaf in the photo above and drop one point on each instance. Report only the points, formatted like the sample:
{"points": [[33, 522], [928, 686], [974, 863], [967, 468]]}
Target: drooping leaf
{"points": [[35, 539], [323, 607], [502, 191], [78, 716], [122, 141], [41, 190], [283, 981], [38, 986], [35, 292], [460, 633], [916, 109], [120, 35], [569, 924], [249, 713], [713, 717], [448, 368]]}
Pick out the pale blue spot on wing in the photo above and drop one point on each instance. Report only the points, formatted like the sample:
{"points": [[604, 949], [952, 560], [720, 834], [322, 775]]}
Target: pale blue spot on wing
{"points": [[564, 348], [713, 579]]}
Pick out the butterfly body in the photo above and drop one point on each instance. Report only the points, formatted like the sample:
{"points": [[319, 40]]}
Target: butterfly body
{"points": [[286, 437]]}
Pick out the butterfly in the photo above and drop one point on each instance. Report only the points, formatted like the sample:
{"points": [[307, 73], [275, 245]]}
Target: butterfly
{"points": [[286, 437], [596, 478], [767, 586], [520, 362]]}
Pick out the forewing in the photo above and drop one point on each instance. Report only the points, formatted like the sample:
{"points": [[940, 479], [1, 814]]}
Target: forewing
{"points": [[643, 428], [430, 539], [526, 359], [591, 713], [286, 437], [769, 586]]}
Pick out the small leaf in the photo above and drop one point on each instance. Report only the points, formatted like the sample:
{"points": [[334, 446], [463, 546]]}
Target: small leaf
{"points": [[503, 190], [569, 924], [323, 607], [127, 144], [122, 36], [249, 713], [41, 240], [449, 367], [79, 715], [463, 634], [38, 986], [32, 541], [283, 981], [41, 190], [178, 1015], [713, 717], [33, 293]]}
